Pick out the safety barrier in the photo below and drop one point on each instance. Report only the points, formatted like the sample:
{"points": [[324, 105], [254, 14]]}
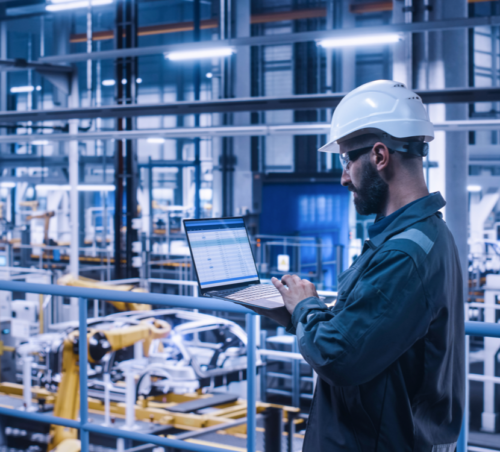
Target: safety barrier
{"points": [[85, 427]]}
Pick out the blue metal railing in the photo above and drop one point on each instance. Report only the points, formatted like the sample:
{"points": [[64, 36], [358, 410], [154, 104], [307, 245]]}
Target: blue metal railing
{"points": [[85, 427], [473, 329]]}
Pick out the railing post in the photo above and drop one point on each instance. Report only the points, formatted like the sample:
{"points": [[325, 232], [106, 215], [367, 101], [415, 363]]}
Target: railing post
{"points": [[463, 439], [82, 350], [295, 375], [251, 380], [339, 259]]}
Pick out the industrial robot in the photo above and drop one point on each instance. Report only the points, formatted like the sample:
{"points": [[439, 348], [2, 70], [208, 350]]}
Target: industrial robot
{"points": [[99, 343]]}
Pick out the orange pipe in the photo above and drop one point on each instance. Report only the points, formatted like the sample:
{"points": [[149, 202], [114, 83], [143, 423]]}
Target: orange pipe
{"points": [[354, 8]]}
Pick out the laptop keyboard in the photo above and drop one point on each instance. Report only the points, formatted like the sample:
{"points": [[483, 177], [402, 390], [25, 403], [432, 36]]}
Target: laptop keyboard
{"points": [[253, 292]]}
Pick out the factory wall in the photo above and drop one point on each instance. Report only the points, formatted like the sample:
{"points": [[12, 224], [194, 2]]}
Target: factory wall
{"points": [[309, 210]]}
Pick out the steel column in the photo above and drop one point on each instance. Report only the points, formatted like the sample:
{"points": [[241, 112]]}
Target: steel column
{"points": [[83, 359], [197, 89], [455, 61], [126, 169], [251, 327]]}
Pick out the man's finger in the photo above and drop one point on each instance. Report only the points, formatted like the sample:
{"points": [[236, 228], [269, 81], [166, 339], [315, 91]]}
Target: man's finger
{"points": [[277, 283], [289, 280]]}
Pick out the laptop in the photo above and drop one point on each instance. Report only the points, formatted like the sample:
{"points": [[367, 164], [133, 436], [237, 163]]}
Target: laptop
{"points": [[224, 263]]}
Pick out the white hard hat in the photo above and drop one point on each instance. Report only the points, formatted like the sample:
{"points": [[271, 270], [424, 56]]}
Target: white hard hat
{"points": [[381, 106]]}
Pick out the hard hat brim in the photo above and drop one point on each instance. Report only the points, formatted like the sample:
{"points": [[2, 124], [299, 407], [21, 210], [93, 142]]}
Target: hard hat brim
{"points": [[332, 147]]}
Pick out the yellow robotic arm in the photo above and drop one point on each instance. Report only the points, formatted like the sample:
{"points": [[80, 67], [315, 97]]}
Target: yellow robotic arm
{"points": [[80, 281], [99, 344], [45, 216]]}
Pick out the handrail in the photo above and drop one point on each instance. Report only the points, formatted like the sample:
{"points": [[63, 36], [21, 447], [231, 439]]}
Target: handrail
{"points": [[84, 294], [471, 328], [484, 329], [168, 300]]}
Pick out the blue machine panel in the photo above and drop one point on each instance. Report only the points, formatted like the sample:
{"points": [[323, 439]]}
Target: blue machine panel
{"points": [[312, 210]]}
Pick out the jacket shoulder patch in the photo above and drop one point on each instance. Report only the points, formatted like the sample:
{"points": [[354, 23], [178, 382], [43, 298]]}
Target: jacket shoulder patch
{"points": [[416, 236], [444, 447]]}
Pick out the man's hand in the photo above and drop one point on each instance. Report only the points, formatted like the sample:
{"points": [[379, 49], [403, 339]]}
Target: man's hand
{"points": [[295, 291]]}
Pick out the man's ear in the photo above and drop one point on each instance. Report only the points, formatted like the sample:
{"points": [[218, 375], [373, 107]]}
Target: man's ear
{"points": [[380, 156]]}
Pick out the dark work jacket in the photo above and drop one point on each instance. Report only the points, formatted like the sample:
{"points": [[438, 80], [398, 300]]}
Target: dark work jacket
{"points": [[390, 354]]}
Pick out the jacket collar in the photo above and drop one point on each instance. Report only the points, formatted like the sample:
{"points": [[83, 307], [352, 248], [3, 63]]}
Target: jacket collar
{"points": [[423, 208]]}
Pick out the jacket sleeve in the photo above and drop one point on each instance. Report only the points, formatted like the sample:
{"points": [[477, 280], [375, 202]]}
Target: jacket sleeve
{"points": [[383, 316]]}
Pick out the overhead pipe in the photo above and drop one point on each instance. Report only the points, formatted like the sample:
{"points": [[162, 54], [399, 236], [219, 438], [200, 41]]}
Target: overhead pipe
{"points": [[230, 131], [279, 39]]}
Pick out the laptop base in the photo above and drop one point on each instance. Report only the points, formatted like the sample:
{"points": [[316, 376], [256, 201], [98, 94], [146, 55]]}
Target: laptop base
{"points": [[266, 303]]}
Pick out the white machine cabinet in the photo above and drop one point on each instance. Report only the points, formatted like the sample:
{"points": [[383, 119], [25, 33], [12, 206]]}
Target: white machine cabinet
{"points": [[490, 419]]}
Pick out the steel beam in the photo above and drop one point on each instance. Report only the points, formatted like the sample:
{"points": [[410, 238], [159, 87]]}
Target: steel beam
{"points": [[278, 39], [301, 102], [317, 128], [20, 64], [31, 161]]}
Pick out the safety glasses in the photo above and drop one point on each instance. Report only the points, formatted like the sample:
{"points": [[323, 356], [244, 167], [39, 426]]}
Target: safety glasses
{"points": [[414, 147], [347, 157]]}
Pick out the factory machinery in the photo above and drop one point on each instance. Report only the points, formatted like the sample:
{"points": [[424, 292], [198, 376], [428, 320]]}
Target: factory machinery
{"points": [[41, 238], [162, 371]]}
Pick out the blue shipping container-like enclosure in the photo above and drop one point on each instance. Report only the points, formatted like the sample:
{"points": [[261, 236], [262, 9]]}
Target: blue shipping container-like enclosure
{"points": [[312, 210]]}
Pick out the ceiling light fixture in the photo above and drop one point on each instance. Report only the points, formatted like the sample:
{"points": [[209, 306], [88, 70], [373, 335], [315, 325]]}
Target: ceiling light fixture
{"points": [[109, 82], [138, 80], [7, 184], [199, 54], [359, 41], [22, 89], [40, 142], [83, 187], [156, 140], [58, 5], [104, 187], [474, 188], [52, 187]]}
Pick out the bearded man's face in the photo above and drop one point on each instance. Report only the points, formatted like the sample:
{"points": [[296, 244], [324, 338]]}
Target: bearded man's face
{"points": [[370, 191]]}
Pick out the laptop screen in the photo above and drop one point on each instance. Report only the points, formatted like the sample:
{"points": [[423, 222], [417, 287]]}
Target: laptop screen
{"points": [[221, 252]]}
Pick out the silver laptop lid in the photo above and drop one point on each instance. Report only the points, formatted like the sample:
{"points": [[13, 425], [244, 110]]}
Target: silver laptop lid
{"points": [[221, 253]]}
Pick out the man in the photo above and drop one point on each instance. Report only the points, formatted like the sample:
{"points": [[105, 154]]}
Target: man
{"points": [[390, 353]]}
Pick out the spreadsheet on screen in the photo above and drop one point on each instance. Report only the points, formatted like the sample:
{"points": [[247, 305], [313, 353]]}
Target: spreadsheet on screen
{"points": [[221, 252]]}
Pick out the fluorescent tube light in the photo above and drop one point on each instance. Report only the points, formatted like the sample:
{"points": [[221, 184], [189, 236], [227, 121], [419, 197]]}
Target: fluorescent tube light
{"points": [[52, 187], [359, 41], [156, 140], [40, 142], [474, 188], [104, 187], [206, 194], [82, 187], [7, 184], [22, 89], [199, 54], [66, 5], [109, 82]]}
